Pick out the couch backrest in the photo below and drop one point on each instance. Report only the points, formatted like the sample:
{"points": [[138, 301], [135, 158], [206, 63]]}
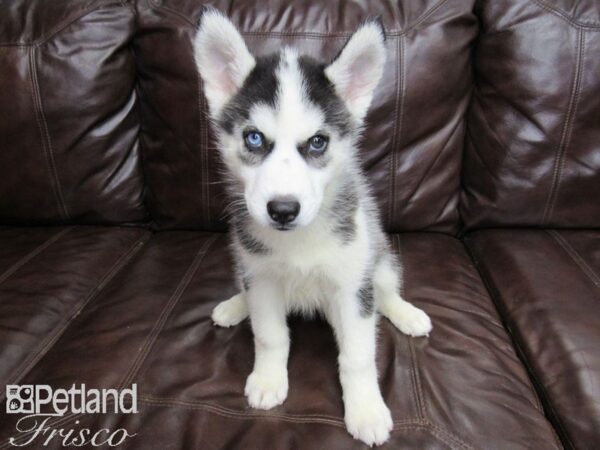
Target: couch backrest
{"points": [[412, 147], [532, 154], [68, 120]]}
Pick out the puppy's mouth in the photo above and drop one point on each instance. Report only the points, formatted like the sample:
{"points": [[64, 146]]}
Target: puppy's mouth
{"points": [[283, 227]]}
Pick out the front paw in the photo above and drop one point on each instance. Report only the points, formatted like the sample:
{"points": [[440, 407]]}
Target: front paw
{"points": [[264, 391], [230, 312], [410, 319], [415, 322], [368, 420]]}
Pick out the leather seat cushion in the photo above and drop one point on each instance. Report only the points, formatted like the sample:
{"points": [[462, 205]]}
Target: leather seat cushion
{"points": [[547, 286], [532, 145], [47, 276], [463, 387]]}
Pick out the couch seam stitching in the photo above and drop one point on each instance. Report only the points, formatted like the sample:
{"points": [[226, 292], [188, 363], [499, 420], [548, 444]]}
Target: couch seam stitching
{"points": [[397, 130], [50, 146], [167, 310], [413, 382], [58, 29], [452, 438], [45, 137], [67, 23], [59, 330], [416, 387], [593, 26], [194, 404], [567, 132], [440, 437], [342, 34], [576, 257], [221, 410], [275, 34], [33, 253], [448, 437]]}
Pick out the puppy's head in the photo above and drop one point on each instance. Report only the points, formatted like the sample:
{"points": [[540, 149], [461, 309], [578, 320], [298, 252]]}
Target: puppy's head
{"points": [[286, 122]]}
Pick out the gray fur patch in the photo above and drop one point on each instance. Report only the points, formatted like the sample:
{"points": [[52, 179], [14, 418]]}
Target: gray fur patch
{"points": [[246, 283], [344, 212], [367, 301], [249, 242]]}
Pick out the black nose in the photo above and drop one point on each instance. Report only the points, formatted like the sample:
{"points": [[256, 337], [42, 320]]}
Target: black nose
{"points": [[283, 209]]}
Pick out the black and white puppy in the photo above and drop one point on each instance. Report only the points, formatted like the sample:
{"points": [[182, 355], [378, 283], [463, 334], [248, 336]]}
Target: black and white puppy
{"points": [[306, 234]]}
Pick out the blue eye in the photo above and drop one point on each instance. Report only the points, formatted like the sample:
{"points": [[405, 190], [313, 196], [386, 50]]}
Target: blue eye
{"points": [[317, 144], [254, 140]]}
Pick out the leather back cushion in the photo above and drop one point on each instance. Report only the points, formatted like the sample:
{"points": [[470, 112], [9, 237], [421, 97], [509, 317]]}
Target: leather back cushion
{"points": [[412, 147], [533, 145], [68, 119]]}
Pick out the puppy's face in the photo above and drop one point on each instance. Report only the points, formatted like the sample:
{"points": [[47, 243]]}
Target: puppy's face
{"points": [[287, 123]]}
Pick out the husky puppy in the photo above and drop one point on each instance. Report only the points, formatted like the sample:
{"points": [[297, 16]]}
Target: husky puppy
{"points": [[306, 234]]}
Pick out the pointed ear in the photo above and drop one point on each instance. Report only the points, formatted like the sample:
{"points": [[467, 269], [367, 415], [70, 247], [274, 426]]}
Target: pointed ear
{"points": [[222, 58], [357, 69]]}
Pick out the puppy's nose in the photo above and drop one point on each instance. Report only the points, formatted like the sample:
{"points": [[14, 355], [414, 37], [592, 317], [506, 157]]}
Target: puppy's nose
{"points": [[283, 209]]}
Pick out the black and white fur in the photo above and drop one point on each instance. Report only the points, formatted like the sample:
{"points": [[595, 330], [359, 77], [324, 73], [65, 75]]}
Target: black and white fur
{"points": [[332, 256]]}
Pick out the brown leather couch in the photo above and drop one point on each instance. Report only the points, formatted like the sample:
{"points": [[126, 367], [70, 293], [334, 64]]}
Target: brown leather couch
{"points": [[482, 145]]}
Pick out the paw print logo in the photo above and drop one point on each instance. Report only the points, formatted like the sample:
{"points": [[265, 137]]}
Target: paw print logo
{"points": [[19, 399]]}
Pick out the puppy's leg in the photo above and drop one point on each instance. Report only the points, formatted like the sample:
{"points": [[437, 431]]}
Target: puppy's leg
{"points": [[267, 385], [406, 317], [365, 413], [231, 312]]}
